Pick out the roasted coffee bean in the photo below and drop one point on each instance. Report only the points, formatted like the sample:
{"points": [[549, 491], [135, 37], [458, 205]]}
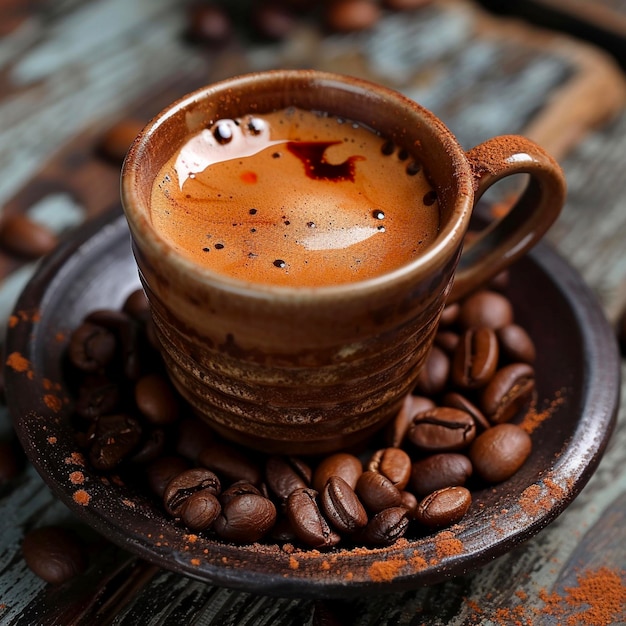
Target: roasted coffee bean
{"points": [[285, 474], [409, 502], [444, 507], [97, 396], [342, 506], [499, 452], [307, 521], [447, 340], [475, 358], [239, 488], [184, 485], [500, 281], [394, 464], [450, 314], [456, 400], [208, 23], [156, 399], [398, 427], [230, 462], [113, 438], [485, 308], [386, 527], [131, 349], [162, 470], [516, 344], [117, 139], [341, 464], [434, 374], [54, 554], [136, 305], [91, 347], [406, 5], [193, 436], [151, 447], [245, 518], [351, 15], [436, 471], [442, 429], [509, 391], [377, 492], [200, 510], [23, 237], [272, 20]]}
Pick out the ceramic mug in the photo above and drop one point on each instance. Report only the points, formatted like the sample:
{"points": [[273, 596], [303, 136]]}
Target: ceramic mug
{"points": [[311, 370]]}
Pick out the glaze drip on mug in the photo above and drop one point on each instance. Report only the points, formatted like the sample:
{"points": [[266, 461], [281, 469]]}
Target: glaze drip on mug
{"points": [[294, 198]]}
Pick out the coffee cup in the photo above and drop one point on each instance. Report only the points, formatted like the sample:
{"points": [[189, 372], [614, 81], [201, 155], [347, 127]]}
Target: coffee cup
{"points": [[298, 233]]}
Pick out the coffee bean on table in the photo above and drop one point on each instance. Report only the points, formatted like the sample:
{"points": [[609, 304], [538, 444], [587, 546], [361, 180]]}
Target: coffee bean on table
{"points": [[444, 507], [54, 554], [485, 308], [509, 391], [499, 452], [272, 20], [436, 471], [117, 139], [208, 23], [342, 506], [475, 358], [442, 429], [351, 15], [23, 237], [184, 485], [307, 521], [245, 518]]}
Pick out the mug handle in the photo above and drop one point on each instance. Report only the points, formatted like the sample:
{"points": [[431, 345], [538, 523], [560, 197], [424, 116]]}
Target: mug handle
{"points": [[508, 238]]}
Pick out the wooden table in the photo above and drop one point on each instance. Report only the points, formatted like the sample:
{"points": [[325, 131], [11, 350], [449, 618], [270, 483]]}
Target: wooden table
{"points": [[68, 70]]}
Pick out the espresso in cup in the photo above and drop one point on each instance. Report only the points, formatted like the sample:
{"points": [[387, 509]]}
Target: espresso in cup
{"points": [[298, 234], [294, 197]]}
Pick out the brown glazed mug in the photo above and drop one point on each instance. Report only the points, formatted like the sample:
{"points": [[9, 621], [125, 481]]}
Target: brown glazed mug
{"points": [[314, 369]]}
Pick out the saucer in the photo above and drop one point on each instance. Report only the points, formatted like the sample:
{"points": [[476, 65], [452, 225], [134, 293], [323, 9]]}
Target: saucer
{"points": [[578, 389]]}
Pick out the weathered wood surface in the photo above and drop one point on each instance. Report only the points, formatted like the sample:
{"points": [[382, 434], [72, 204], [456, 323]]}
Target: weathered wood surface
{"points": [[69, 69]]}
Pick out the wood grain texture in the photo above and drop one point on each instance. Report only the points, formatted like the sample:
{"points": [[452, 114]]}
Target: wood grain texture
{"points": [[69, 69]]}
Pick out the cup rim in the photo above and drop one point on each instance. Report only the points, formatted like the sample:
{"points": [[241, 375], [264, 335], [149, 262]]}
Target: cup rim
{"points": [[446, 244]]}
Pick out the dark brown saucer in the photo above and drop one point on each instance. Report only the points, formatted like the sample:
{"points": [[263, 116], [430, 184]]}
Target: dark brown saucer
{"points": [[578, 383]]}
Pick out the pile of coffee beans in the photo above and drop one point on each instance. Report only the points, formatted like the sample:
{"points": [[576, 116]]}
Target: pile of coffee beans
{"points": [[453, 434], [216, 23]]}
